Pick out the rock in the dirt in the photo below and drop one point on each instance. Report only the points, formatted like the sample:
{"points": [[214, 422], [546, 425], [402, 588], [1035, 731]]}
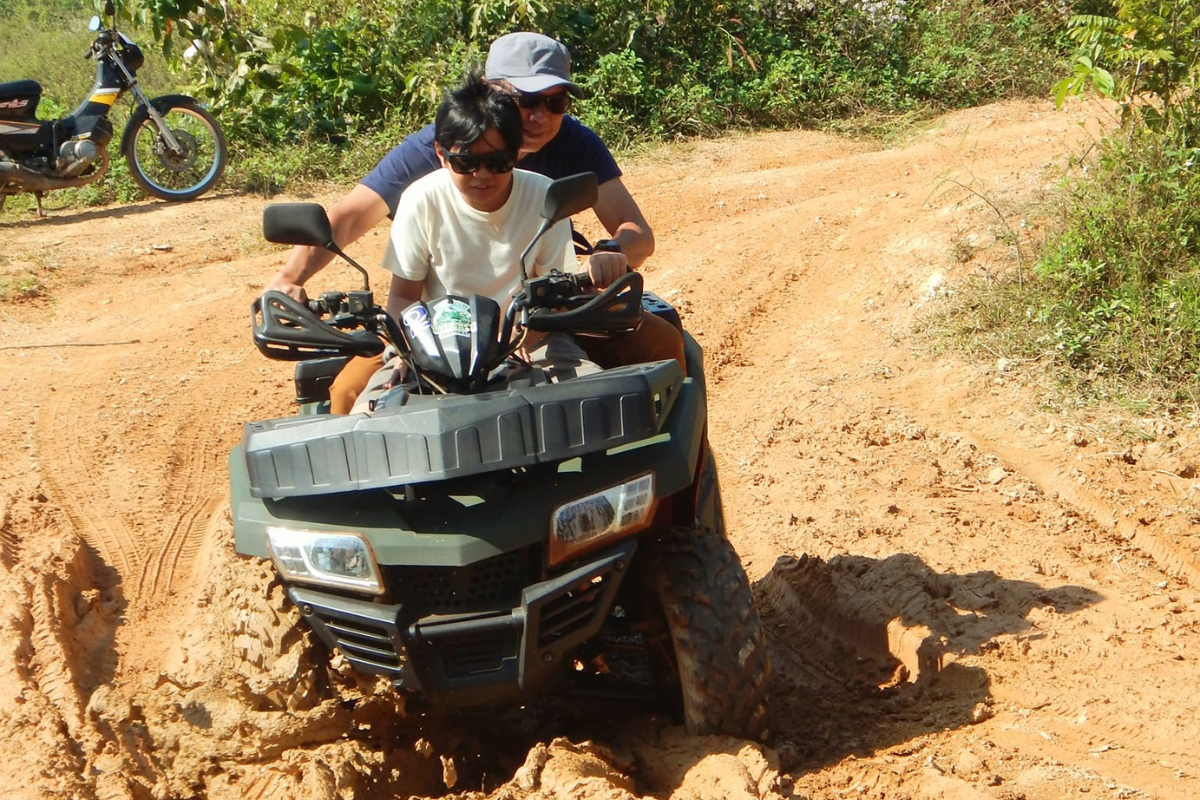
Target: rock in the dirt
{"points": [[529, 775], [969, 765], [449, 772], [982, 712], [109, 707], [583, 771]]}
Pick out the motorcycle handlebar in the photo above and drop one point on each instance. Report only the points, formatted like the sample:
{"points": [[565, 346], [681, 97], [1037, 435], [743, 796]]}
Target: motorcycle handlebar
{"points": [[103, 40]]}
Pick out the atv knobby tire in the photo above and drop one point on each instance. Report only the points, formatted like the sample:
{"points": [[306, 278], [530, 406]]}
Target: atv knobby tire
{"points": [[720, 649]]}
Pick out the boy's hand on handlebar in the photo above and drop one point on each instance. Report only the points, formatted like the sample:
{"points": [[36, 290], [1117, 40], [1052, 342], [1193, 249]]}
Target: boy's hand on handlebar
{"points": [[605, 268]]}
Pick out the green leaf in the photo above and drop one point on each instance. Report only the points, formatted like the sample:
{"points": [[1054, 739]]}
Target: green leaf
{"points": [[1060, 92], [1104, 82]]}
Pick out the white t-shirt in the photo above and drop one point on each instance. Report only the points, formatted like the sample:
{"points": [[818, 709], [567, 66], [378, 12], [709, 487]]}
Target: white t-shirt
{"points": [[438, 239]]}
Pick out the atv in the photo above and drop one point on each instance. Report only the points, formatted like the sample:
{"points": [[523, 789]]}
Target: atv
{"points": [[482, 534]]}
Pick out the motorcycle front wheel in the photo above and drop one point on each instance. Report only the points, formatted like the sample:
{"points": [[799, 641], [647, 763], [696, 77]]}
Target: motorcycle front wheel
{"points": [[169, 174]]}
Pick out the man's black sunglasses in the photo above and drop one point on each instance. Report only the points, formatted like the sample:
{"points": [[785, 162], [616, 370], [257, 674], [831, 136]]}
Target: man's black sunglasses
{"points": [[555, 103], [497, 163]]}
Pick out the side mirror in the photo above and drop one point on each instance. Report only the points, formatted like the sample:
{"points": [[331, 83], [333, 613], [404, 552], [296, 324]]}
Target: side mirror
{"points": [[94, 25], [305, 224], [567, 196], [297, 223], [108, 8]]}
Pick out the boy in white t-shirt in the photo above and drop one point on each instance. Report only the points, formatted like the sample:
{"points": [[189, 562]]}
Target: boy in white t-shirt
{"points": [[461, 229]]}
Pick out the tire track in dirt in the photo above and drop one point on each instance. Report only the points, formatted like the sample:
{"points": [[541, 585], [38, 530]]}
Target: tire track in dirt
{"points": [[1115, 730], [1176, 560], [75, 483], [10, 543], [176, 555], [50, 662], [190, 507]]}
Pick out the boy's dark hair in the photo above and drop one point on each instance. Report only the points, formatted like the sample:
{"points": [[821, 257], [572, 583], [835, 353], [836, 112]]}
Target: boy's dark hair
{"points": [[468, 110]]}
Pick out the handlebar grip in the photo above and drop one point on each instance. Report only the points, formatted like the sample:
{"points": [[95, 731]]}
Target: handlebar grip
{"points": [[582, 280]]}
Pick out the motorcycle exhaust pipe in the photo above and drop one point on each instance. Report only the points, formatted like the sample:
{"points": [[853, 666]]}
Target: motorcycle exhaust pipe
{"points": [[21, 179]]}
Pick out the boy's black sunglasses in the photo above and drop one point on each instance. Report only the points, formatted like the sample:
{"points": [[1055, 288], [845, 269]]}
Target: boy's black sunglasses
{"points": [[497, 162], [555, 103]]}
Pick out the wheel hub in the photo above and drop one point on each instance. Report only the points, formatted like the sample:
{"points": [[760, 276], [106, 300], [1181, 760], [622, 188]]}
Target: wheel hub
{"points": [[181, 161]]}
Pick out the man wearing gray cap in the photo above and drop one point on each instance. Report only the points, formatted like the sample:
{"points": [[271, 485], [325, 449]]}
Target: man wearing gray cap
{"points": [[536, 70]]}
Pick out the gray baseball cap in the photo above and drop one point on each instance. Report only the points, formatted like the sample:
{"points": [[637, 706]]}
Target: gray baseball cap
{"points": [[531, 62]]}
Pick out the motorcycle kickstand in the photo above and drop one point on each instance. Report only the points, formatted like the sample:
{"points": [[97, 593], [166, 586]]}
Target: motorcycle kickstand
{"points": [[38, 196]]}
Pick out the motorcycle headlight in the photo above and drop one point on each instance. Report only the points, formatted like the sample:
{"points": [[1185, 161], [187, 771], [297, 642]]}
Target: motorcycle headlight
{"points": [[340, 560], [617, 511]]}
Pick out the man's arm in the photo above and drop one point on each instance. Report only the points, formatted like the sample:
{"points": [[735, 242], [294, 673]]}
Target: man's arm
{"points": [[354, 215], [401, 294], [618, 212]]}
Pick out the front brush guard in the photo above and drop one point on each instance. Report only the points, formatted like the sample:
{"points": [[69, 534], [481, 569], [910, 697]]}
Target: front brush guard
{"points": [[618, 309], [286, 330]]}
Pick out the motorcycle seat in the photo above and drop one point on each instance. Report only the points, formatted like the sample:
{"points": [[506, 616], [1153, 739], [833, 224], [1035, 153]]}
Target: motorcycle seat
{"points": [[23, 88]]}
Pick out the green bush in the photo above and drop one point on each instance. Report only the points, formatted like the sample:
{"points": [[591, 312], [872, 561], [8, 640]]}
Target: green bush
{"points": [[307, 75], [1119, 296], [965, 53], [664, 68], [1123, 281]]}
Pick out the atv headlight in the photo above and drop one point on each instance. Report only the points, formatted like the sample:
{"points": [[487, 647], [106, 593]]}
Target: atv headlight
{"points": [[341, 560], [619, 510]]}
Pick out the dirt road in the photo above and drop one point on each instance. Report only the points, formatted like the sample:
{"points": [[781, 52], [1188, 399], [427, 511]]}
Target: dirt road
{"points": [[972, 589]]}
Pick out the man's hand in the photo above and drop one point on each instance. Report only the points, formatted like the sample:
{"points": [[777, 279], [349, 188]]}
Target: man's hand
{"points": [[292, 290], [605, 268]]}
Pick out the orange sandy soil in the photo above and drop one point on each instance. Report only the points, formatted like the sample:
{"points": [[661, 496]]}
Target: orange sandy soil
{"points": [[972, 589]]}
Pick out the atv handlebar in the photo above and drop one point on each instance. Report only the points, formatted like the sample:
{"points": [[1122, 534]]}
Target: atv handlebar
{"points": [[350, 323], [558, 306]]}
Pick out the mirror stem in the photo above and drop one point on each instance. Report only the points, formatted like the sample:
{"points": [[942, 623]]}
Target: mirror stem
{"points": [[332, 247], [545, 227]]}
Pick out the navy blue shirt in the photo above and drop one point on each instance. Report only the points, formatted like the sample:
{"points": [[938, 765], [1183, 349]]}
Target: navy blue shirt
{"points": [[576, 148]]}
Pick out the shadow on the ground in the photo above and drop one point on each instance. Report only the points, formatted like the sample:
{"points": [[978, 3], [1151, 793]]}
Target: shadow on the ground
{"points": [[69, 215], [865, 649]]}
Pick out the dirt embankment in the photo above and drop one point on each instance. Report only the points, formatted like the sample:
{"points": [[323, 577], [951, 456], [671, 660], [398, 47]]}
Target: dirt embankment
{"points": [[970, 592]]}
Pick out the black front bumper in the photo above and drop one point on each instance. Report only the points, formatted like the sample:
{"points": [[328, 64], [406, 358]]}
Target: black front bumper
{"points": [[473, 659]]}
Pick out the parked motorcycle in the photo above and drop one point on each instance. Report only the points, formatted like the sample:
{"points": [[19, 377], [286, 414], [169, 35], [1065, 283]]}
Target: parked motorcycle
{"points": [[484, 534], [174, 147]]}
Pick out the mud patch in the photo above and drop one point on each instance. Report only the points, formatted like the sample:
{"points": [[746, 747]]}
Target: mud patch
{"points": [[260, 711], [55, 648]]}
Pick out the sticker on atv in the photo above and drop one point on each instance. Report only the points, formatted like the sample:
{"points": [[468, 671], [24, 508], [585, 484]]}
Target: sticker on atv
{"points": [[452, 318], [417, 318]]}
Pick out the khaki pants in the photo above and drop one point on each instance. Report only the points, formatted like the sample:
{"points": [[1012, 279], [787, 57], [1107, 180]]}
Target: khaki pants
{"points": [[654, 340]]}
